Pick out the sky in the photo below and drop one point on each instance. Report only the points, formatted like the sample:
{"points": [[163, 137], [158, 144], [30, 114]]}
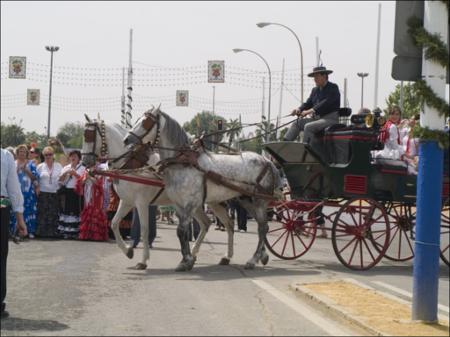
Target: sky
{"points": [[172, 43]]}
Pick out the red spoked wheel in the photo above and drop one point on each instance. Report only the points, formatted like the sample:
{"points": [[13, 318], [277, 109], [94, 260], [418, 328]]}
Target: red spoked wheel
{"points": [[292, 233], [445, 233], [401, 222], [360, 225]]}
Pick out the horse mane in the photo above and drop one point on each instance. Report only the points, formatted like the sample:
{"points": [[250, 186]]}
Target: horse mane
{"points": [[174, 129]]}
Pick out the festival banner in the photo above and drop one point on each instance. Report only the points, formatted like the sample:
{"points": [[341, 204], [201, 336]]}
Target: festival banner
{"points": [[17, 66], [33, 96], [216, 71], [182, 97]]}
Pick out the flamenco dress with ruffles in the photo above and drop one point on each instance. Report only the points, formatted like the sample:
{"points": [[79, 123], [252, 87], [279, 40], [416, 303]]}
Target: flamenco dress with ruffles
{"points": [[93, 220]]}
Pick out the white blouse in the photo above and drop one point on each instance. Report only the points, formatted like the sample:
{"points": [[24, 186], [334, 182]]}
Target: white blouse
{"points": [[48, 180], [70, 181], [392, 149]]}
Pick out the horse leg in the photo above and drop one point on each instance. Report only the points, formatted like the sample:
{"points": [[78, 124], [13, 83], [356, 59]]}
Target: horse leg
{"points": [[221, 212], [204, 223], [258, 209], [182, 232], [143, 219], [122, 210]]}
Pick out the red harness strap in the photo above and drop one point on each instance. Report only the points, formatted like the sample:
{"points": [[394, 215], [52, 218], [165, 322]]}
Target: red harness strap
{"points": [[145, 181]]}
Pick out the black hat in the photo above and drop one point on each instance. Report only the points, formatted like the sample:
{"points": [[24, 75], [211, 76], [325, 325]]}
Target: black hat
{"points": [[319, 70]]}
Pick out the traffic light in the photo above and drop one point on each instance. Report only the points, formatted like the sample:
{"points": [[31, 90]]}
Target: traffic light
{"points": [[219, 124]]}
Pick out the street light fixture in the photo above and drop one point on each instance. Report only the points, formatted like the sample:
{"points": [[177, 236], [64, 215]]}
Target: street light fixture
{"points": [[264, 24], [362, 75], [238, 50], [51, 49]]}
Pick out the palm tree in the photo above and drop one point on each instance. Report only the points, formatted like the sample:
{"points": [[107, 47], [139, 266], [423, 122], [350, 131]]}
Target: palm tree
{"points": [[234, 129]]}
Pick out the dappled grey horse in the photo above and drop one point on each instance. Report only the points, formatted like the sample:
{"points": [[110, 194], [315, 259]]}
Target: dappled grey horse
{"points": [[209, 177]]}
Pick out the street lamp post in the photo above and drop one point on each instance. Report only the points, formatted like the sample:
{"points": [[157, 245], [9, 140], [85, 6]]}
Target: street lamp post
{"points": [[51, 49], [264, 24], [238, 50], [362, 75]]}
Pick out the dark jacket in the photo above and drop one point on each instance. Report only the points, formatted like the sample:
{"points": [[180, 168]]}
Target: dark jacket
{"points": [[323, 101]]}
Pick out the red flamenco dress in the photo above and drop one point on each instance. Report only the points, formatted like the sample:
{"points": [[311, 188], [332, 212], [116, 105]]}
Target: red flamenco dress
{"points": [[93, 220]]}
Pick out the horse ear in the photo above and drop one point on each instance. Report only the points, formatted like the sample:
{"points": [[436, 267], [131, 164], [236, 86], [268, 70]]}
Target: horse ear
{"points": [[98, 115], [87, 118], [157, 109]]}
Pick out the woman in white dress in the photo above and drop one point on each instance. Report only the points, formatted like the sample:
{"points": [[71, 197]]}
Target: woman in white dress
{"points": [[411, 145]]}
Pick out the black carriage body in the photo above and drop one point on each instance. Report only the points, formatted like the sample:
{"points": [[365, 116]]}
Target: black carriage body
{"points": [[343, 170]]}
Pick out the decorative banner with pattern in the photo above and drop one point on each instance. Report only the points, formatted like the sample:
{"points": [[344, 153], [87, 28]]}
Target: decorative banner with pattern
{"points": [[17, 66], [182, 97], [216, 71], [33, 96]]}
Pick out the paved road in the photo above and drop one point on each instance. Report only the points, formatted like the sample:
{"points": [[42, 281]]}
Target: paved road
{"points": [[86, 288]]}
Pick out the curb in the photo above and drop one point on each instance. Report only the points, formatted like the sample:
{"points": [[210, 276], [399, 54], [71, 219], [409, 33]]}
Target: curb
{"points": [[324, 304]]}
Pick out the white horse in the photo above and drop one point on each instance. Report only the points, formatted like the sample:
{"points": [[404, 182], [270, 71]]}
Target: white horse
{"points": [[104, 137], [191, 183]]}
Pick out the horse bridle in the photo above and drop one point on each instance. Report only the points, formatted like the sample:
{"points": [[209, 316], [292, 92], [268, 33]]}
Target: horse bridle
{"points": [[148, 123], [137, 157], [90, 136]]}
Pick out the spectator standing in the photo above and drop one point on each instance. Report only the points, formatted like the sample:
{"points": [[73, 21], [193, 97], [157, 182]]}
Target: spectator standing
{"points": [[93, 220], [29, 185], [71, 202], [11, 199], [48, 199], [241, 214], [35, 155]]}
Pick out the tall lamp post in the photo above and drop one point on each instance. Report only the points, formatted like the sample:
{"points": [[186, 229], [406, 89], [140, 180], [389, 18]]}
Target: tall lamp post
{"points": [[51, 49], [264, 24], [238, 50], [362, 75]]}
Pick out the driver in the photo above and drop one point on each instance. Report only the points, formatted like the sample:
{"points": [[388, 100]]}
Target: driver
{"points": [[319, 111]]}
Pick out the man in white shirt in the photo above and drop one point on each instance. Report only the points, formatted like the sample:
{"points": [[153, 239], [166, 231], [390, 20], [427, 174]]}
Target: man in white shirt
{"points": [[11, 197]]}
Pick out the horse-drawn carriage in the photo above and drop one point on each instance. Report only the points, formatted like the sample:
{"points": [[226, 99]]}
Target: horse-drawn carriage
{"points": [[371, 205]]}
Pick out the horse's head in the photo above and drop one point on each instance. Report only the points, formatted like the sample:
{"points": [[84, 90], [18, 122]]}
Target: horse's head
{"points": [[145, 130], [94, 143]]}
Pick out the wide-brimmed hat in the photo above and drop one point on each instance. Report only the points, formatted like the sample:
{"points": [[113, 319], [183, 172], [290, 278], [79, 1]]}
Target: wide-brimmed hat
{"points": [[320, 70]]}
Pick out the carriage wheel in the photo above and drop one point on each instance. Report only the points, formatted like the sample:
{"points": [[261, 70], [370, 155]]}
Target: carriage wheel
{"points": [[401, 222], [291, 234], [445, 233], [359, 225]]}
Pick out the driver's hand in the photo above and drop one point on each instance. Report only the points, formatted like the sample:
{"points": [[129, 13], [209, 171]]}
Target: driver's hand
{"points": [[295, 112]]}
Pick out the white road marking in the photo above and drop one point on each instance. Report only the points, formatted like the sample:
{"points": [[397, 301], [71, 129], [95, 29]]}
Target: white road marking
{"points": [[406, 293], [305, 311]]}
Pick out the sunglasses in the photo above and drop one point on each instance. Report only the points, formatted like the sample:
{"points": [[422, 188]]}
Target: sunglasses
{"points": [[48, 154]]}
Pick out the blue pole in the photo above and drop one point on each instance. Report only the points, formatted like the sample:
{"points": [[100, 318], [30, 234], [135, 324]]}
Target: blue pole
{"points": [[428, 221]]}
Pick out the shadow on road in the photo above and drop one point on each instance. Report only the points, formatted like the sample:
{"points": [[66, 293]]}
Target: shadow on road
{"points": [[219, 273], [22, 324]]}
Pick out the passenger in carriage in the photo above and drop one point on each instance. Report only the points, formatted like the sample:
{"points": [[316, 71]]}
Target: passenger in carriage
{"points": [[390, 137], [319, 111], [410, 145]]}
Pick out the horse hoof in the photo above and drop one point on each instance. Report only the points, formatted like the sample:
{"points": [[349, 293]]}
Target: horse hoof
{"points": [[141, 266], [182, 267], [130, 253], [225, 261], [249, 266], [265, 259]]}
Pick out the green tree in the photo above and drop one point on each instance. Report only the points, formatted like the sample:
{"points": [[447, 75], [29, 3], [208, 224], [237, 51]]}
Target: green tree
{"points": [[71, 135], [235, 128], [34, 137], [12, 134], [204, 123], [412, 101]]}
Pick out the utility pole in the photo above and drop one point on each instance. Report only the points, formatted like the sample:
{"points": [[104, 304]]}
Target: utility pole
{"points": [[130, 84], [429, 180], [51, 49], [362, 75], [317, 52], [281, 101], [377, 59], [122, 101], [263, 101]]}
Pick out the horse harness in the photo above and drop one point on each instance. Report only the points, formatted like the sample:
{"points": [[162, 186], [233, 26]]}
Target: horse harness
{"points": [[135, 158]]}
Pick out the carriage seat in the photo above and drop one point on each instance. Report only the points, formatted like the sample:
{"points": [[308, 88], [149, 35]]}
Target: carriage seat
{"points": [[391, 166]]}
